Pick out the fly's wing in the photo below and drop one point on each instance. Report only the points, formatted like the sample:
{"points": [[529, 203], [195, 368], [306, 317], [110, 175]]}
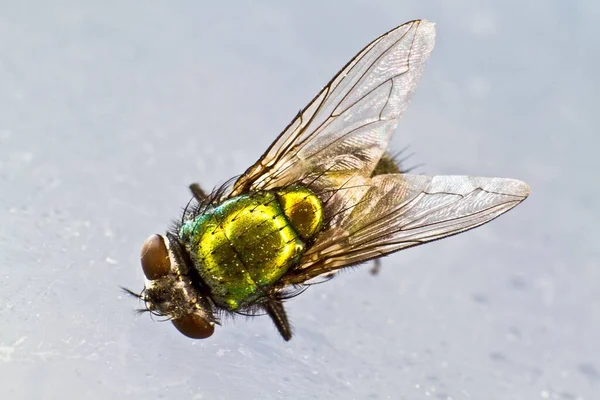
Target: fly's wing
{"points": [[346, 128], [398, 211]]}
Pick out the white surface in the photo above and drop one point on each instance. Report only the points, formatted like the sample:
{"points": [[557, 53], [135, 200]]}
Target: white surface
{"points": [[109, 111]]}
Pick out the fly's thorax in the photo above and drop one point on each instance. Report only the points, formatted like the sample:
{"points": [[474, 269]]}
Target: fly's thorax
{"points": [[244, 245], [169, 292], [303, 210]]}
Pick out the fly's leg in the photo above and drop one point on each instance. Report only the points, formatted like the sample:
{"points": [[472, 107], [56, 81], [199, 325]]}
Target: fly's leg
{"points": [[275, 310], [376, 266], [197, 192]]}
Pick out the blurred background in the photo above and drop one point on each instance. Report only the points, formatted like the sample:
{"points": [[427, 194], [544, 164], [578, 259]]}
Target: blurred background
{"points": [[108, 110]]}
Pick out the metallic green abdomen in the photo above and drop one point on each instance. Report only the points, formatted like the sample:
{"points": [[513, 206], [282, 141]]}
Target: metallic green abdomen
{"points": [[247, 243]]}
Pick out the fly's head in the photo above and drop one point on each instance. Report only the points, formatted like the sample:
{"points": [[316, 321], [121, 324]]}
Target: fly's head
{"points": [[170, 292]]}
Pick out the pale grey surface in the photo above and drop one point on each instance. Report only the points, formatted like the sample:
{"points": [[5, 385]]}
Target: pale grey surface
{"points": [[108, 111]]}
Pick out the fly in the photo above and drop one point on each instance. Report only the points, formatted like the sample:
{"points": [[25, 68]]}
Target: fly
{"points": [[324, 196]]}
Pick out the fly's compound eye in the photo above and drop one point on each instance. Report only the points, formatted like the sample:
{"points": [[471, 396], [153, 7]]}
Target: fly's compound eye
{"points": [[194, 326], [155, 257]]}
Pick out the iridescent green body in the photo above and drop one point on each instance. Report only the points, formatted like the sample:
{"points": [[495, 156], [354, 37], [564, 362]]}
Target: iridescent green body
{"points": [[241, 247]]}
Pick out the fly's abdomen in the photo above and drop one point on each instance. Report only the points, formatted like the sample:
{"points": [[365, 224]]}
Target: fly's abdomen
{"points": [[248, 242]]}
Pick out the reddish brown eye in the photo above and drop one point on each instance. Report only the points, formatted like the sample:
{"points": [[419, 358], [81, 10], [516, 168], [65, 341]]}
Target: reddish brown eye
{"points": [[155, 257], [194, 326]]}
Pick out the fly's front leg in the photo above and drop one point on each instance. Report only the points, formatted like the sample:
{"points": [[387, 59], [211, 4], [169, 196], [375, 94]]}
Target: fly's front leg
{"points": [[197, 192]]}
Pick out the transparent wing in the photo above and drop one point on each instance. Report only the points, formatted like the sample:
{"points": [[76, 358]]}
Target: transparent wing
{"points": [[345, 129], [398, 211]]}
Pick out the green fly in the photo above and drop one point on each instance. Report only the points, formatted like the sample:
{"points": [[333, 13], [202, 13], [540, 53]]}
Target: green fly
{"points": [[324, 196]]}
